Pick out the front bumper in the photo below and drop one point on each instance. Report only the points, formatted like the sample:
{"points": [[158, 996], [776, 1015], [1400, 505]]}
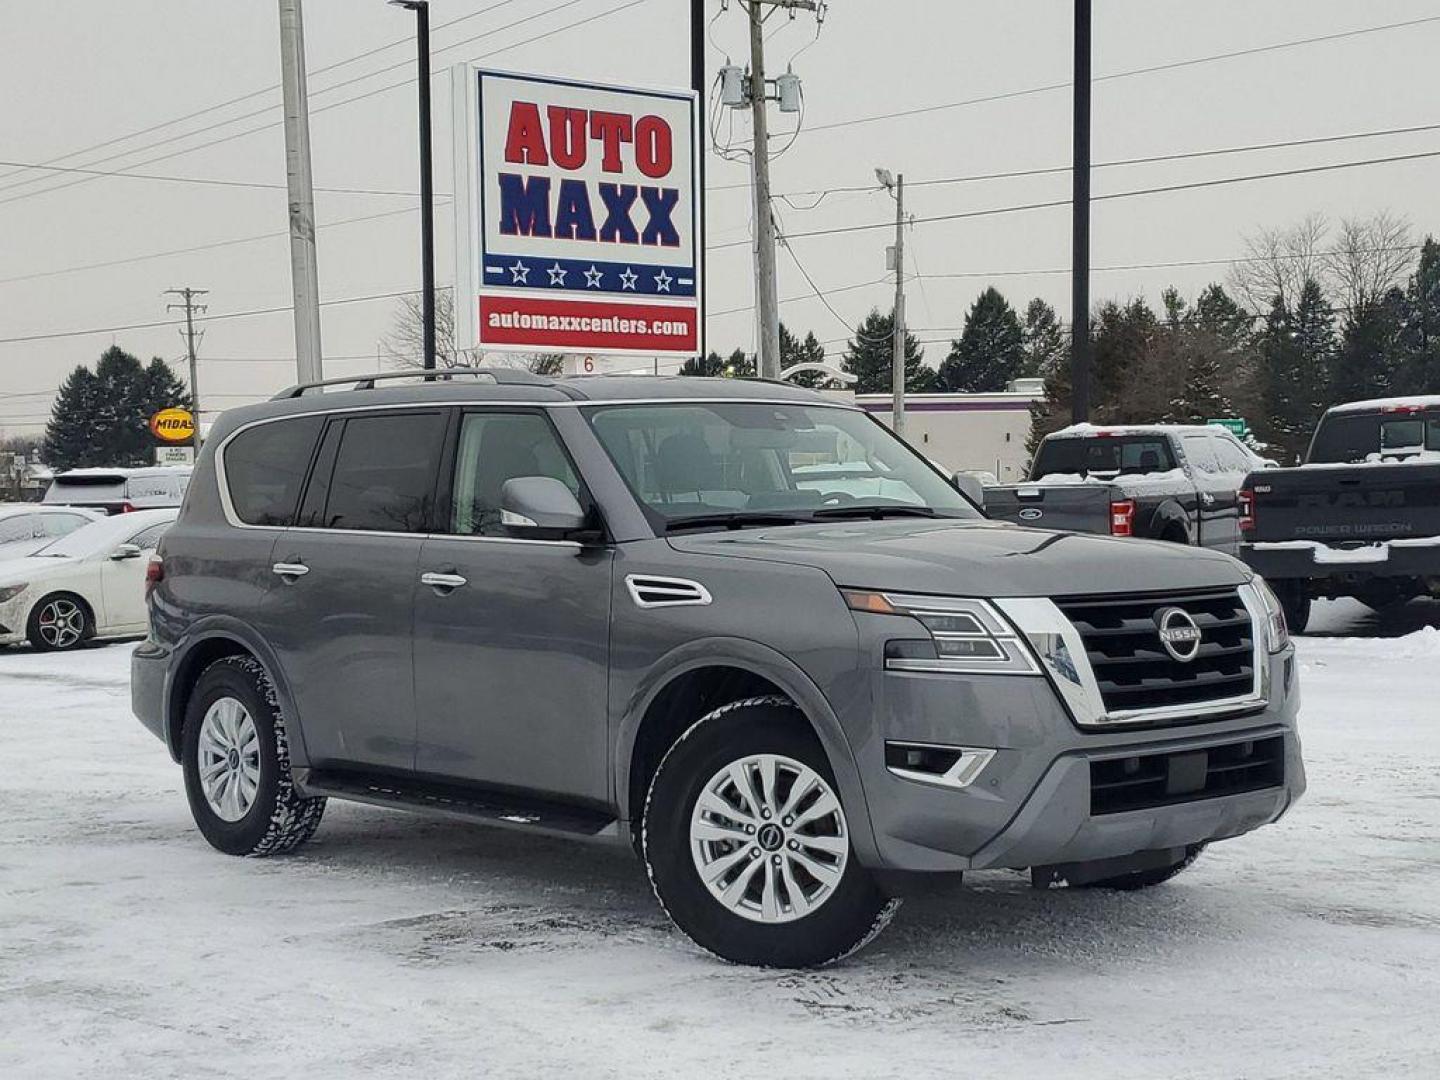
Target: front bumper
{"points": [[1031, 803], [13, 615], [1301, 559]]}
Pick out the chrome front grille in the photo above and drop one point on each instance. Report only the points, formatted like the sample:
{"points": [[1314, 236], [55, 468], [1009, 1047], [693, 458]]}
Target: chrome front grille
{"points": [[1133, 668]]}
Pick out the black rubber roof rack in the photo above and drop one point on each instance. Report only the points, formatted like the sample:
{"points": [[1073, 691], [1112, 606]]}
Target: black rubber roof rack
{"points": [[496, 376]]}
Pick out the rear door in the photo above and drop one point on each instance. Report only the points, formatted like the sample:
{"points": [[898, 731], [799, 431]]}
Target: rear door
{"points": [[340, 616], [1219, 521], [512, 639]]}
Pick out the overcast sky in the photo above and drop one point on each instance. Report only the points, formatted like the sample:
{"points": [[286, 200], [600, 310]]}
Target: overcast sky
{"points": [[78, 73]]}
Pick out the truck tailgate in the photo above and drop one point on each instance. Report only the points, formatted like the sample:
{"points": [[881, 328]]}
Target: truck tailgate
{"points": [[1339, 503], [1068, 507]]}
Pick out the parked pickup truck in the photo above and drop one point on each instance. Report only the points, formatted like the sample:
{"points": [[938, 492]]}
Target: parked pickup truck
{"points": [[1161, 481], [1361, 516]]}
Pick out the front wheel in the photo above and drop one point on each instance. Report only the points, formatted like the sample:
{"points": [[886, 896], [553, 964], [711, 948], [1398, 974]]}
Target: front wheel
{"points": [[58, 623], [748, 846], [1294, 602]]}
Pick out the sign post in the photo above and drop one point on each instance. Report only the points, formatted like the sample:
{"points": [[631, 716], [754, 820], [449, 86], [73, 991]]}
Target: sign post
{"points": [[580, 233]]}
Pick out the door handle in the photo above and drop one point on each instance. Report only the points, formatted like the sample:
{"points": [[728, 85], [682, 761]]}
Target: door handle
{"points": [[290, 570], [442, 582]]}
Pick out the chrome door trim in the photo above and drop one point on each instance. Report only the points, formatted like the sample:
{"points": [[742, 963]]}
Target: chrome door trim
{"points": [[443, 581]]}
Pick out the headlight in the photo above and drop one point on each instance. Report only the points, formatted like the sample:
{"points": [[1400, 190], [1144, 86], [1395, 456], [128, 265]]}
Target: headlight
{"points": [[9, 592], [1277, 634], [966, 636]]}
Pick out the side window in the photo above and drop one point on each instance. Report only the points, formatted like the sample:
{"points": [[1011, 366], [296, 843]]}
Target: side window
{"points": [[385, 472], [61, 524], [1233, 457], [19, 527], [265, 466], [312, 508], [495, 447], [1201, 454], [147, 539]]}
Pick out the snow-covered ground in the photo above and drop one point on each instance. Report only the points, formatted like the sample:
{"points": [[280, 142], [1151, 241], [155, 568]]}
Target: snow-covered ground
{"points": [[394, 946]]}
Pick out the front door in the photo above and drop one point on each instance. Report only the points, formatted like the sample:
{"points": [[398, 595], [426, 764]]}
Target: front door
{"points": [[339, 616], [511, 634], [122, 584], [1218, 496]]}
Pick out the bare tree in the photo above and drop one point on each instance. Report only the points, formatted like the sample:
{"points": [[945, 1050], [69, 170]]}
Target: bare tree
{"points": [[1278, 262], [1369, 255], [404, 344]]}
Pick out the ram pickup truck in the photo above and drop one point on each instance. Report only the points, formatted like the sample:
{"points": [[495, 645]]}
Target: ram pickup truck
{"points": [[1160, 481], [1361, 516]]}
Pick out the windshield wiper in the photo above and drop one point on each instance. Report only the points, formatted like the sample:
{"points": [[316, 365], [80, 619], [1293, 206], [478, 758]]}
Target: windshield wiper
{"points": [[875, 512], [738, 520]]}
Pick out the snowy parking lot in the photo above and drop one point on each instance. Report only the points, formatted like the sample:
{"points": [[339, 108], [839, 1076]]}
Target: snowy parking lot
{"points": [[395, 946]]}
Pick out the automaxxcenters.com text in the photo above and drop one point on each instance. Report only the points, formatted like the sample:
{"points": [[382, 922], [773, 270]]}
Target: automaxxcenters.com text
{"points": [[586, 324]]}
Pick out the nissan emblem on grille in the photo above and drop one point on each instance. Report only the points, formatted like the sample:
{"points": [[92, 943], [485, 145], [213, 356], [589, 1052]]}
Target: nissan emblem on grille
{"points": [[1178, 633]]}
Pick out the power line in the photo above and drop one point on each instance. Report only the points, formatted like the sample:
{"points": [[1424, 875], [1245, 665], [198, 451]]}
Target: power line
{"points": [[1149, 70], [253, 94], [1160, 190], [819, 295], [803, 296], [49, 336], [208, 181], [324, 108]]}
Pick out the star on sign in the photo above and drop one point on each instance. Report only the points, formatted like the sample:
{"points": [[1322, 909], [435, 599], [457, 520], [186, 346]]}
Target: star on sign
{"points": [[521, 273], [557, 275], [592, 277], [628, 279], [662, 281]]}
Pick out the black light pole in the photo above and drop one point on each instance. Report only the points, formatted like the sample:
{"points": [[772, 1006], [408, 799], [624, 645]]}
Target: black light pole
{"points": [[698, 84], [1080, 245], [427, 179]]}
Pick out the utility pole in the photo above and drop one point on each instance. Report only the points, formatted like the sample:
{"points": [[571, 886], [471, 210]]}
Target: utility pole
{"points": [[421, 8], [190, 308], [304, 271], [1080, 243], [698, 84], [897, 360]]}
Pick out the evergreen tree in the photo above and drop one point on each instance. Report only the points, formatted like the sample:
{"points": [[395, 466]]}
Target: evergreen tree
{"points": [[868, 357], [990, 351], [1045, 343], [714, 366], [1419, 368], [1370, 347], [103, 418], [1296, 352], [794, 351]]}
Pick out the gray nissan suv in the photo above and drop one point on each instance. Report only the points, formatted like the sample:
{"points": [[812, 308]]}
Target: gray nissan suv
{"points": [[737, 625]]}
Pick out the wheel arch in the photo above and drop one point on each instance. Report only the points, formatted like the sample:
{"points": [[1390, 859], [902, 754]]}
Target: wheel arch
{"points": [[1170, 518], [697, 678]]}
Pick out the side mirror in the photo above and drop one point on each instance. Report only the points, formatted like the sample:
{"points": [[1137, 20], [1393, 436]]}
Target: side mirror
{"points": [[540, 502], [126, 551], [970, 487]]}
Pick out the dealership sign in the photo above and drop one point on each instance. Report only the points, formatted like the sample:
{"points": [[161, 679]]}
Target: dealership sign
{"points": [[581, 230], [173, 425]]}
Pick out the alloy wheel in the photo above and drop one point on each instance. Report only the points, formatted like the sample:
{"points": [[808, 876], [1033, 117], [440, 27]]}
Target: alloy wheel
{"points": [[229, 764], [61, 623], [769, 838]]}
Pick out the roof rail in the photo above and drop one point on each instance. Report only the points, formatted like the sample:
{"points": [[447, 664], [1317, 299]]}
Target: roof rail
{"points": [[498, 376]]}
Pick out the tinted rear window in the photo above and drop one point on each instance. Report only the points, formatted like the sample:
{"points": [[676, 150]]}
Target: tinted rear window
{"points": [[385, 473], [1104, 455], [265, 468], [1353, 438]]}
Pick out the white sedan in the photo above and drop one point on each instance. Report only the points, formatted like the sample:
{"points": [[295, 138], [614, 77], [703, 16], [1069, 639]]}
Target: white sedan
{"points": [[27, 527], [90, 584]]}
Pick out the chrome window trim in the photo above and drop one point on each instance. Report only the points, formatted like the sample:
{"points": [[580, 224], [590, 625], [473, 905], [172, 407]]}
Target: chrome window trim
{"points": [[1061, 652]]}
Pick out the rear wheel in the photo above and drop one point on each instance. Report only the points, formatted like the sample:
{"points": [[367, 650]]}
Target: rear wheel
{"points": [[1294, 600], [748, 846], [59, 622], [237, 764]]}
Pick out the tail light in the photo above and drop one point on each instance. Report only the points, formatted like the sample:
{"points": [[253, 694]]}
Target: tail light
{"points": [[127, 508], [154, 574], [1247, 510], [1122, 517]]}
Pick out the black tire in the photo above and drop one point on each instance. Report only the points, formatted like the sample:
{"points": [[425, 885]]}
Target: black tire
{"points": [[278, 819], [1144, 879], [853, 912], [1294, 602], [35, 624]]}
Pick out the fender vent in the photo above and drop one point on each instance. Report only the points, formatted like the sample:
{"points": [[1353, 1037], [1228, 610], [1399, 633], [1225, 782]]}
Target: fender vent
{"points": [[658, 592]]}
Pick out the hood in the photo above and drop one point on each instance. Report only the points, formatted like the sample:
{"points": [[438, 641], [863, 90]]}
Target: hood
{"points": [[975, 558]]}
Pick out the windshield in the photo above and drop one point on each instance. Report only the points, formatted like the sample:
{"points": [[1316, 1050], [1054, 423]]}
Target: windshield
{"points": [[752, 463], [1353, 438], [1108, 455]]}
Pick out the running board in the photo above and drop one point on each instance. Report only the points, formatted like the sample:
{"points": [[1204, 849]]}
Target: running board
{"points": [[462, 803]]}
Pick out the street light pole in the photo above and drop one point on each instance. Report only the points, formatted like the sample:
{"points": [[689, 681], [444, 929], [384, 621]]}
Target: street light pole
{"points": [[427, 179], [1080, 243]]}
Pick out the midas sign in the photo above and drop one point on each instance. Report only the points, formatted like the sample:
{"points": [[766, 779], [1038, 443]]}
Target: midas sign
{"points": [[585, 211], [173, 425]]}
